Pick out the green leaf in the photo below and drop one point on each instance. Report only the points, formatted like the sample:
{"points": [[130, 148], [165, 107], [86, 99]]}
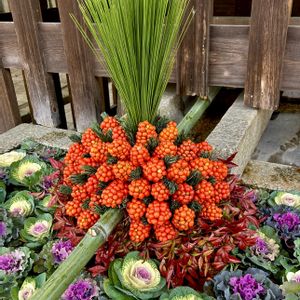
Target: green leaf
{"points": [[113, 293], [2, 191], [112, 271], [75, 138], [40, 280]]}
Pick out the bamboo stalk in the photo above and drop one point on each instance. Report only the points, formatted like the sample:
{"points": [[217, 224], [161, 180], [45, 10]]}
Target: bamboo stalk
{"points": [[197, 110], [72, 266]]}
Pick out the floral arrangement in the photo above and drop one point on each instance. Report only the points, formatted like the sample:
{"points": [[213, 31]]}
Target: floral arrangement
{"points": [[162, 178]]}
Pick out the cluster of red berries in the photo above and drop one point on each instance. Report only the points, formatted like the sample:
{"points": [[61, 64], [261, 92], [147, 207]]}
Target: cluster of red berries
{"points": [[164, 183]]}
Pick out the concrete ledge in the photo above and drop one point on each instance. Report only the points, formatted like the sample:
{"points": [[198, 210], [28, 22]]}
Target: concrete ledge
{"points": [[271, 176], [239, 130], [48, 136]]}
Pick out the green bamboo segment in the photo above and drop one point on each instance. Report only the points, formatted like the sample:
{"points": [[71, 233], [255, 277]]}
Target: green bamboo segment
{"points": [[72, 266], [197, 110]]}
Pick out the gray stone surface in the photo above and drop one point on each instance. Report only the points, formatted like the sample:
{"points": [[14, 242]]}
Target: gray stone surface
{"points": [[280, 142], [239, 131], [47, 136], [171, 105], [272, 176]]}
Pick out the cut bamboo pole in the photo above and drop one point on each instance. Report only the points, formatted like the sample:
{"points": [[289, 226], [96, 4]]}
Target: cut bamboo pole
{"points": [[72, 266], [197, 110]]}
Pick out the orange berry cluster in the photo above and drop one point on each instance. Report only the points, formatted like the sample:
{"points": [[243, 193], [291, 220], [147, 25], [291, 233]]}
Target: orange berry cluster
{"points": [[157, 177]]}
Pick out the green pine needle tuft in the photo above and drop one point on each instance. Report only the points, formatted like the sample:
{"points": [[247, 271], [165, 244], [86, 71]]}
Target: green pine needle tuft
{"points": [[194, 178], [136, 174], [65, 190], [89, 170], [138, 41], [75, 138], [78, 178]]}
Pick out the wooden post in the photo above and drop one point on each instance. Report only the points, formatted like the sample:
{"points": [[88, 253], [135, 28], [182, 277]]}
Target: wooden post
{"points": [[192, 61], [9, 110], [80, 61], [267, 41], [26, 15]]}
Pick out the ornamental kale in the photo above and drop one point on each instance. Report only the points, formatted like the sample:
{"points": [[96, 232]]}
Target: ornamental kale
{"points": [[251, 284], [134, 277], [266, 252], [8, 230], [84, 289], [14, 264], [61, 250], [286, 221]]}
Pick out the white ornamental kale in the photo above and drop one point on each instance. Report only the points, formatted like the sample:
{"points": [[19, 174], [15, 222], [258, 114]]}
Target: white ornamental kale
{"points": [[8, 158], [37, 229], [289, 199], [20, 205], [135, 277]]}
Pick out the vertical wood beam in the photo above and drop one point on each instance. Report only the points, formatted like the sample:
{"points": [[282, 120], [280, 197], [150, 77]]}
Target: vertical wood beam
{"points": [[26, 15], [192, 59], [80, 60], [267, 41], [9, 110]]}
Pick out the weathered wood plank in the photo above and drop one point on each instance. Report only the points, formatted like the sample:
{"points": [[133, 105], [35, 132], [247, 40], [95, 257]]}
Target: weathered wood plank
{"points": [[267, 43], [9, 110], [192, 58], [227, 58], [80, 65], [26, 15]]}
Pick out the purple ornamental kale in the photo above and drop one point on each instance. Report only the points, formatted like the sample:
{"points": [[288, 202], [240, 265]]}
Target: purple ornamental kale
{"points": [[83, 289], [247, 287], [12, 262], [61, 250], [287, 221], [261, 246]]}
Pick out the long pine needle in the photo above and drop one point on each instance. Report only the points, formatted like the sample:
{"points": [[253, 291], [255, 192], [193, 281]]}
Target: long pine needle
{"points": [[137, 41]]}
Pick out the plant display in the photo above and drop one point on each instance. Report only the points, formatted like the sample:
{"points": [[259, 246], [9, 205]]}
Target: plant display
{"points": [[134, 278], [251, 284], [85, 289]]}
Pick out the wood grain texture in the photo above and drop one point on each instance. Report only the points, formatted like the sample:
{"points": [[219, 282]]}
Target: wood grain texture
{"points": [[192, 58], [26, 15], [267, 43], [227, 57], [80, 66], [9, 110]]}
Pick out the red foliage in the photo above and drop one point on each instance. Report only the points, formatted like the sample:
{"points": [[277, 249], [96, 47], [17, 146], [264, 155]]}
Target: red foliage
{"points": [[193, 257]]}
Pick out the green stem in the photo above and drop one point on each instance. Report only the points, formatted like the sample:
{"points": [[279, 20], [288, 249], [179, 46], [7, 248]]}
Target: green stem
{"points": [[197, 110], [72, 266]]}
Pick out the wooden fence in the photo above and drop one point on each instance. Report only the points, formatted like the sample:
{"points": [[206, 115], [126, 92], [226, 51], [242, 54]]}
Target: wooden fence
{"points": [[260, 53]]}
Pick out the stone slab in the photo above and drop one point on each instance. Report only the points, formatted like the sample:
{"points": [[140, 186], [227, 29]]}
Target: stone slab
{"points": [[44, 135], [280, 142], [271, 176], [239, 131]]}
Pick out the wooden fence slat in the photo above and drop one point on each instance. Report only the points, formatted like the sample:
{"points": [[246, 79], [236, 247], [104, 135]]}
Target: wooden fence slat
{"points": [[227, 56], [80, 62], [192, 62], [26, 15], [9, 111], [267, 42]]}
